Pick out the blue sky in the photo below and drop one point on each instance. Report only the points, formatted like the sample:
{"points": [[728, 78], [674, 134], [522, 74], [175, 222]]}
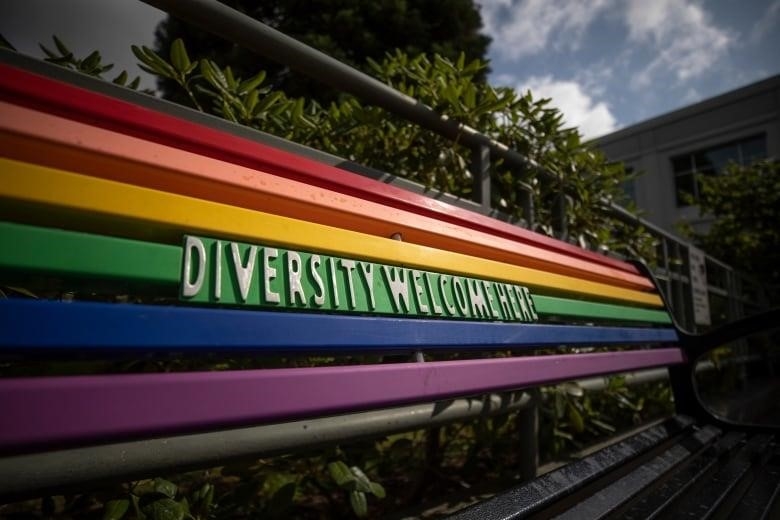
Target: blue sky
{"points": [[611, 63], [605, 63]]}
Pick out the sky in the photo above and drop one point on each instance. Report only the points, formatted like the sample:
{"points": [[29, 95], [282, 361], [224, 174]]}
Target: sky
{"points": [[605, 64]]}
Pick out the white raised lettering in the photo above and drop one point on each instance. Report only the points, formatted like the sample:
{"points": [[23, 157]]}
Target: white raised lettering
{"points": [[530, 301], [332, 270], [269, 273], [396, 280], [294, 277], [503, 302], [418, 289], [367, 268], [479, 307], [218, 270], [431, 294], [319, 291], [513, 301], [349, 267], [460, 296], [521, 303], [244, 273], [193, 244], [450, 307]]}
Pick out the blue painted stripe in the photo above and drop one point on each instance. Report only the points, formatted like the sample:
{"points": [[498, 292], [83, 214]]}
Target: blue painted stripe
{"points": [[52, 324]]}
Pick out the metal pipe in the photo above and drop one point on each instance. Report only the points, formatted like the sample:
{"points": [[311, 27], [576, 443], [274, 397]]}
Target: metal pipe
{"points": [[595, 384], [37, 474], [480, 171], [239, 28]]}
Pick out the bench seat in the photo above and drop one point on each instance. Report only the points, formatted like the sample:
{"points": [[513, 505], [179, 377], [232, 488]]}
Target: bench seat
{"points": [[676, 469]]}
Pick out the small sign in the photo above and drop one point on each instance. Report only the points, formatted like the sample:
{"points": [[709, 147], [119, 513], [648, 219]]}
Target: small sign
{"points": [[701, 301], [224, 272]]}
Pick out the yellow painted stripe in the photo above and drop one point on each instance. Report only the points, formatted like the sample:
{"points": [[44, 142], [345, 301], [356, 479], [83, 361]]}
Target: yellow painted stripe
{"points": [[114, 208]]}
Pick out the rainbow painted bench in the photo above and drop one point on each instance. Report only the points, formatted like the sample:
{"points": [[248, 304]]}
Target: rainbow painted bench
{"points": [[144, 229]]}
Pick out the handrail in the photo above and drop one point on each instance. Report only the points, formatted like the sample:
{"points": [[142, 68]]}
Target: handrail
{"points": [[254, 35]]}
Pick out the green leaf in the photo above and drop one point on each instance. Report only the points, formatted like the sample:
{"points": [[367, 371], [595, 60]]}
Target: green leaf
{"points": [[213, 75], [250, 102], [153, 61], [297, 109], [575, 418], [163, 509], [251, 83], [134, 84], [115, 509], [179, 57], [227, 111], [342, 475], [137, 507], [357, 500], [230, 79], [91, 62], [362, 482], [61, 46], [560, 405], [165, 487], [378, 490], [267, 102], [604, 426], [5, 44], [49, 54], [204, 497], [121, 79]]}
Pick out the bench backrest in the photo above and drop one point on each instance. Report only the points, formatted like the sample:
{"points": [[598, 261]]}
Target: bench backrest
{"points": [[186, 238]]}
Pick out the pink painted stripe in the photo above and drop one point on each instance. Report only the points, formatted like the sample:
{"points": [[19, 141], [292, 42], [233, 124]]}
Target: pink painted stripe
{"points": [[59, 98], [51, 411]]}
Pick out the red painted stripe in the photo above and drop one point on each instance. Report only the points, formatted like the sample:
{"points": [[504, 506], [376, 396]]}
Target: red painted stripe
{"points": [[60, 98]]}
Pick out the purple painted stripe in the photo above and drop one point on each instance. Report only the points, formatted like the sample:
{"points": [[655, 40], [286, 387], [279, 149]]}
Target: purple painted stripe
{"points": [[49, 411]]}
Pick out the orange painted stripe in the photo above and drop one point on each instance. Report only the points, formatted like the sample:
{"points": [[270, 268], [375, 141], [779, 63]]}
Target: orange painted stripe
{"points": [[48, 140]]}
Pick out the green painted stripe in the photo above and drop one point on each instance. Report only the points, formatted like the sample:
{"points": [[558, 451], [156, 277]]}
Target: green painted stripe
{"points": [[74, 255], [69, 254], [548, 305]]}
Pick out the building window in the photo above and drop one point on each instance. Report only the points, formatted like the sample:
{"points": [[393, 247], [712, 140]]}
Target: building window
{"points": [[711, 161]]}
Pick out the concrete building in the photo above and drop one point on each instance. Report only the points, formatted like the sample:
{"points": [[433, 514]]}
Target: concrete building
{"points": [[674, 149]]}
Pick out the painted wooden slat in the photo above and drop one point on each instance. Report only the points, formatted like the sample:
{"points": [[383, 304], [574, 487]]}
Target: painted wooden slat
{"points": [[82, 256], [108, 206], [149, 327], [568, 308], [40, 92], [50, 411], [74, 255], [39, 138]]}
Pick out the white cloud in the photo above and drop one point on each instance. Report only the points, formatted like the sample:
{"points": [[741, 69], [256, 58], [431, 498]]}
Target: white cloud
{"points": [[578, 108], [525, 27], [682, 34]]}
